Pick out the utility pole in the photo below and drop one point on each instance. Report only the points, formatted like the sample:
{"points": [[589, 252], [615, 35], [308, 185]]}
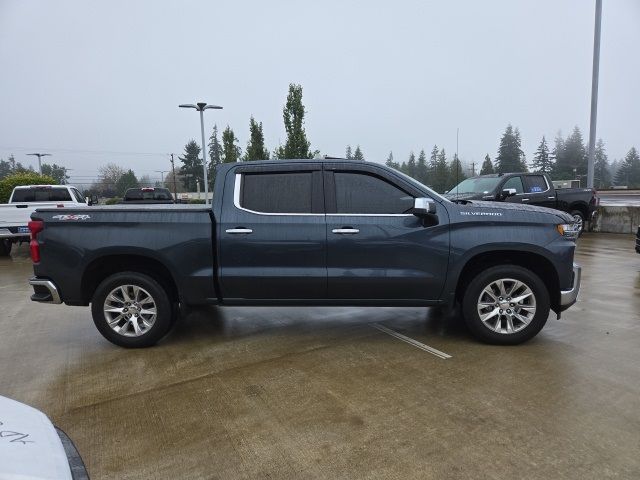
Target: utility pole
{"points": [[594, 94], [473, 169], [175, 188], [40, 155]]}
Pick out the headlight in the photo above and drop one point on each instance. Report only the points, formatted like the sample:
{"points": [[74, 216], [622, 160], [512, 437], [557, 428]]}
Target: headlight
{"points": [[570, 231]]}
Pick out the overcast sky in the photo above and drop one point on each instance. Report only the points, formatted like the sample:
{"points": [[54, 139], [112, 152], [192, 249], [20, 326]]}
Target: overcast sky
{"points": [[80, 79]]}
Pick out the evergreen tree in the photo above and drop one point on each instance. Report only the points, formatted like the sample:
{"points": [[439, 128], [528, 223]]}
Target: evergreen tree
{"points": [[455, 173], [191, 165], [349, 154], [487, 166], [542, 161], [629, 171], [572, 161], [411, 166], [390, 163], [422, 169], [440, 175], [231, 152], [510, 155], [602, 176], [126, 181], [358, 155], [297, 145], [215, 156], [255, 147]]}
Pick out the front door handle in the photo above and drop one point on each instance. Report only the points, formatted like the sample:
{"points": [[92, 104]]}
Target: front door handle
{"points": [[345, 231], [239, 230], [525, 199]]}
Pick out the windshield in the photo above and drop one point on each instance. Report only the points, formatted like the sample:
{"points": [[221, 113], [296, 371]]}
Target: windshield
{"points": [[476, 185]]}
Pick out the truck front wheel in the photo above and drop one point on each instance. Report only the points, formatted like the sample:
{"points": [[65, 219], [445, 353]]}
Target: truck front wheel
{"points": [[506, 305], [5, 247], [131, 310]]}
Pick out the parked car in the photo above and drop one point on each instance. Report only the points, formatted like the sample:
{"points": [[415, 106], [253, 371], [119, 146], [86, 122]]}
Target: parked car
{"points": [[531, 189], [15, 215], [148, 195], [32, 448], [308, 232], [638, 241]]}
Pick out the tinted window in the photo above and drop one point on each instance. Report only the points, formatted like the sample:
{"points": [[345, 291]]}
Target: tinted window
{"points": [[536, 184], [282, 192], [361, 193], [514, 182], [78, 195], [137, 194], [41, 195]]}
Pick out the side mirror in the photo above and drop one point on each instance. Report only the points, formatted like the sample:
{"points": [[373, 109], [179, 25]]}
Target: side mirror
{"points": [[88, 201], [508, 192], [423, 206]]}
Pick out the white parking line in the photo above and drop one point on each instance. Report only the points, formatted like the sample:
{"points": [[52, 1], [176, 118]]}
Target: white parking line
{"points": [[411, 341]]}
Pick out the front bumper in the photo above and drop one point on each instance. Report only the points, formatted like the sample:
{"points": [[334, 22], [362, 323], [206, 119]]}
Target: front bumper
{"points": [[569, 297], [44, 291]]}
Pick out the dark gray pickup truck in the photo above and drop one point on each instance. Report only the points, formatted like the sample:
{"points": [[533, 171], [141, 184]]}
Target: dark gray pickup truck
{"points": [[531, 189], [308, 232]]}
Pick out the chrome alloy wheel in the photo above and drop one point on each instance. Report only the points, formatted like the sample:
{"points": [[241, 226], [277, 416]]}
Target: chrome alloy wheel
{"points": [[130, 310], [506, 306], [578, 221]]}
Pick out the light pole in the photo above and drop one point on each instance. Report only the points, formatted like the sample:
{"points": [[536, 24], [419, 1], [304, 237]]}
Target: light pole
{"points": [[40, 155], [161, 172], [201, 107], [594, 94]]}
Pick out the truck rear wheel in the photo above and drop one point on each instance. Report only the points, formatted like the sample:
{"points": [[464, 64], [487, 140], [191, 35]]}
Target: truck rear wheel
{"points": [[132, 310], [506, 305], [5, 247]]}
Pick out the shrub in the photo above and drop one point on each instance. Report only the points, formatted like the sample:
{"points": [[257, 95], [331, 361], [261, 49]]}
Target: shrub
{"points": [[8, 183], [113, 201]]}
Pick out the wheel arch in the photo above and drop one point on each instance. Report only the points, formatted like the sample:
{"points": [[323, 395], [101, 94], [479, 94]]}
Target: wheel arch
{"points": [[535, 262], [107, 265]]}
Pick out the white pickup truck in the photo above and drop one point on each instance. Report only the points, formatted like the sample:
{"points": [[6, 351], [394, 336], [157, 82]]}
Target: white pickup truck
{"points": [[15, 215]]}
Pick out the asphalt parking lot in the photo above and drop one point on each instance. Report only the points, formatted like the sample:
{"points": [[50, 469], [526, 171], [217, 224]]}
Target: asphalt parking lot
{"points": [[321, 393]]}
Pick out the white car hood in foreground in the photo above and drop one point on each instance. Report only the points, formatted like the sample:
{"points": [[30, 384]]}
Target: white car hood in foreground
{"points": [[29, 444]]}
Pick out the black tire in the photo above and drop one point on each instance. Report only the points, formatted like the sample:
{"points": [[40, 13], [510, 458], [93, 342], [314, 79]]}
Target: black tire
{"points": [[579, 217], [164, 309], [485, 278], [5, 247]]}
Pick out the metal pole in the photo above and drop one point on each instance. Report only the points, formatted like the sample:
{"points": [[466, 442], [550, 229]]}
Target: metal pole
{"points": [[594, 94], [204, 158], [175, 188]]}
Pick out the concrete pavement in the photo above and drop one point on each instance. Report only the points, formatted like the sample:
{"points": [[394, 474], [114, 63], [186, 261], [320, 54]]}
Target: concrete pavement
{"points": [[320, 393]]}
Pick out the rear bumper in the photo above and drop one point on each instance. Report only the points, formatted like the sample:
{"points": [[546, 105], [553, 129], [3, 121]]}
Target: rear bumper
{"points": [[44, 291], [569, 297]]}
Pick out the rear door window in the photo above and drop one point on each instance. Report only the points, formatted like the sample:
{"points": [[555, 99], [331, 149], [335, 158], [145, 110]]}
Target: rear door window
{"points": [[536, 183], [370, 195], [278, 192]]}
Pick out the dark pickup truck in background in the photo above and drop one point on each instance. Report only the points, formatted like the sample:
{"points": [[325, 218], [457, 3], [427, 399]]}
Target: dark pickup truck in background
{"points": [[530, 189], [145, 195], [308, 232]]}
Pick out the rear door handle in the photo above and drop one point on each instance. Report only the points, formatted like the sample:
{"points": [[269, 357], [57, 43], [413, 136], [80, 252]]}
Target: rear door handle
{"points": [[525, 199], [236, 231], [551, 198], [345, 231]]}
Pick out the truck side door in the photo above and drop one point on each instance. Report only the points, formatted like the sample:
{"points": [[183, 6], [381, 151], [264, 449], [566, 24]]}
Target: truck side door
{"points": [[539, 191], [272, 235], [376, 249]]}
